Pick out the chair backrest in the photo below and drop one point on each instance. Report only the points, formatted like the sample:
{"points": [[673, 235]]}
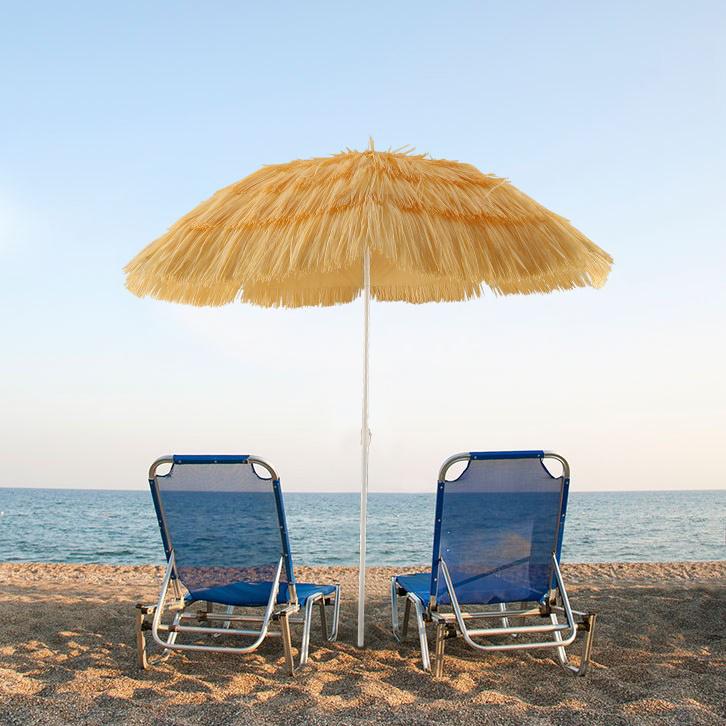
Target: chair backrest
{"points": [[497, 526], [224, 522]]}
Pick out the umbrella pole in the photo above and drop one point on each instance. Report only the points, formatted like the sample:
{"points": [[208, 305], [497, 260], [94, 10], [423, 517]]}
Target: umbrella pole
{"points": [[365, 441]]}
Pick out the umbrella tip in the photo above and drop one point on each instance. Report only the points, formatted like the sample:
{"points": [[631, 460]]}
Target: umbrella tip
{"points": [[371, 146]]}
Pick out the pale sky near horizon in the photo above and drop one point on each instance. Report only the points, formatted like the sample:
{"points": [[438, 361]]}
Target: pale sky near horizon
{"points": [[117, 120]]}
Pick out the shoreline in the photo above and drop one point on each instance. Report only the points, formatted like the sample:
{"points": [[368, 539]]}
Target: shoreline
{"points": [[67, 657]]}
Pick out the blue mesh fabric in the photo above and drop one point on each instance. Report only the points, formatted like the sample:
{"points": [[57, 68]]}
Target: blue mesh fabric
{"points": [[222, 523], [257, 593], [499, 525]]}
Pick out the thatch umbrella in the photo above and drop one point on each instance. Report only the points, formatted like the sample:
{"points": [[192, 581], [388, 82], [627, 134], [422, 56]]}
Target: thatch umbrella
{"points": [[393, 225]]}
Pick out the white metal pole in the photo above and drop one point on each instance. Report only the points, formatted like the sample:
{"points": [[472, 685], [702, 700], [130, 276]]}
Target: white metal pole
{"points": [[365, 441]]}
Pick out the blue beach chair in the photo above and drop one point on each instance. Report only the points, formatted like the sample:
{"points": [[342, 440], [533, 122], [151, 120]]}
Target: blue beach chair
{"points": [[497, 540], [226, 542]]}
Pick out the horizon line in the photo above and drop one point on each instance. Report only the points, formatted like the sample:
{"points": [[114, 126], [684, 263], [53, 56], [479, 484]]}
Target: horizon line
{"points": [[339, 491]]}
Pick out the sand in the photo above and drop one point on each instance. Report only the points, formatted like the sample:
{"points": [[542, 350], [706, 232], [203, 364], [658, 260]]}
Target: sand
{"points": [[67, 657]]}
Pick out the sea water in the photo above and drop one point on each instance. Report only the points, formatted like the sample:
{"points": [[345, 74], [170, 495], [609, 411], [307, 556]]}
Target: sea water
{"points": [[119, 527]]}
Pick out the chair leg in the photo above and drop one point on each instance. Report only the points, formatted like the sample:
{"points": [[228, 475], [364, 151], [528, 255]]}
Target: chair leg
{"points": [[307, 623], [141, 657], [230, 610], [399, 635], [561, 653], [287, 643], [440, 644], [170, 640], [226, 623], [421, 632], [505, 620], [336, 616], [589, 627], [406, 617], [394, 609], [323, 623]]}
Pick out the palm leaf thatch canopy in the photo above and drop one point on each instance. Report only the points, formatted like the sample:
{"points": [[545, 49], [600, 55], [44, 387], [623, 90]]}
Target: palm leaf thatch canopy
{"points": [[295, 234]]}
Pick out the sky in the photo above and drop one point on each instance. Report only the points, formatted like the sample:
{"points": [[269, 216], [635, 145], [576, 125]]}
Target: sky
{"points": [[117, 119]]}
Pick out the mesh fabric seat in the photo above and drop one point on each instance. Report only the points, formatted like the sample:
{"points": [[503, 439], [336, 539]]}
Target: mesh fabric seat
{"points": [[257, 594], [225, 537], [497, 541], [490, 589]]}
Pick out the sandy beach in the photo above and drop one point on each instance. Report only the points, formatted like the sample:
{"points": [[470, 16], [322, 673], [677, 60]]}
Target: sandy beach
{"points": [[67, 657]]}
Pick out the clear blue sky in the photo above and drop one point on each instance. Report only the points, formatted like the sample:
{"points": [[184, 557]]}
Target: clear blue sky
{"points": [[118, 119]]}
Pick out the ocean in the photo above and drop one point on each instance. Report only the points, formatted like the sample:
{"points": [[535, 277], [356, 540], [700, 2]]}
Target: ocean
{"points": [[119, 527]]}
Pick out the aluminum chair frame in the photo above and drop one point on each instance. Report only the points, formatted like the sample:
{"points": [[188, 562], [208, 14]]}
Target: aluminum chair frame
{"points": [[173, 603], [454, 624]]}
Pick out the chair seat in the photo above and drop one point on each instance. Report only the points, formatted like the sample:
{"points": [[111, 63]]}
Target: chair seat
{"points": [[419, 585], [256, 593], [487, 590]]}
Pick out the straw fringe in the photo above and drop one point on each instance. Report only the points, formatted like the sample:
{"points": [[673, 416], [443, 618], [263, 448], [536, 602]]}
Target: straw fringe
{"points": [[285, 225]]}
